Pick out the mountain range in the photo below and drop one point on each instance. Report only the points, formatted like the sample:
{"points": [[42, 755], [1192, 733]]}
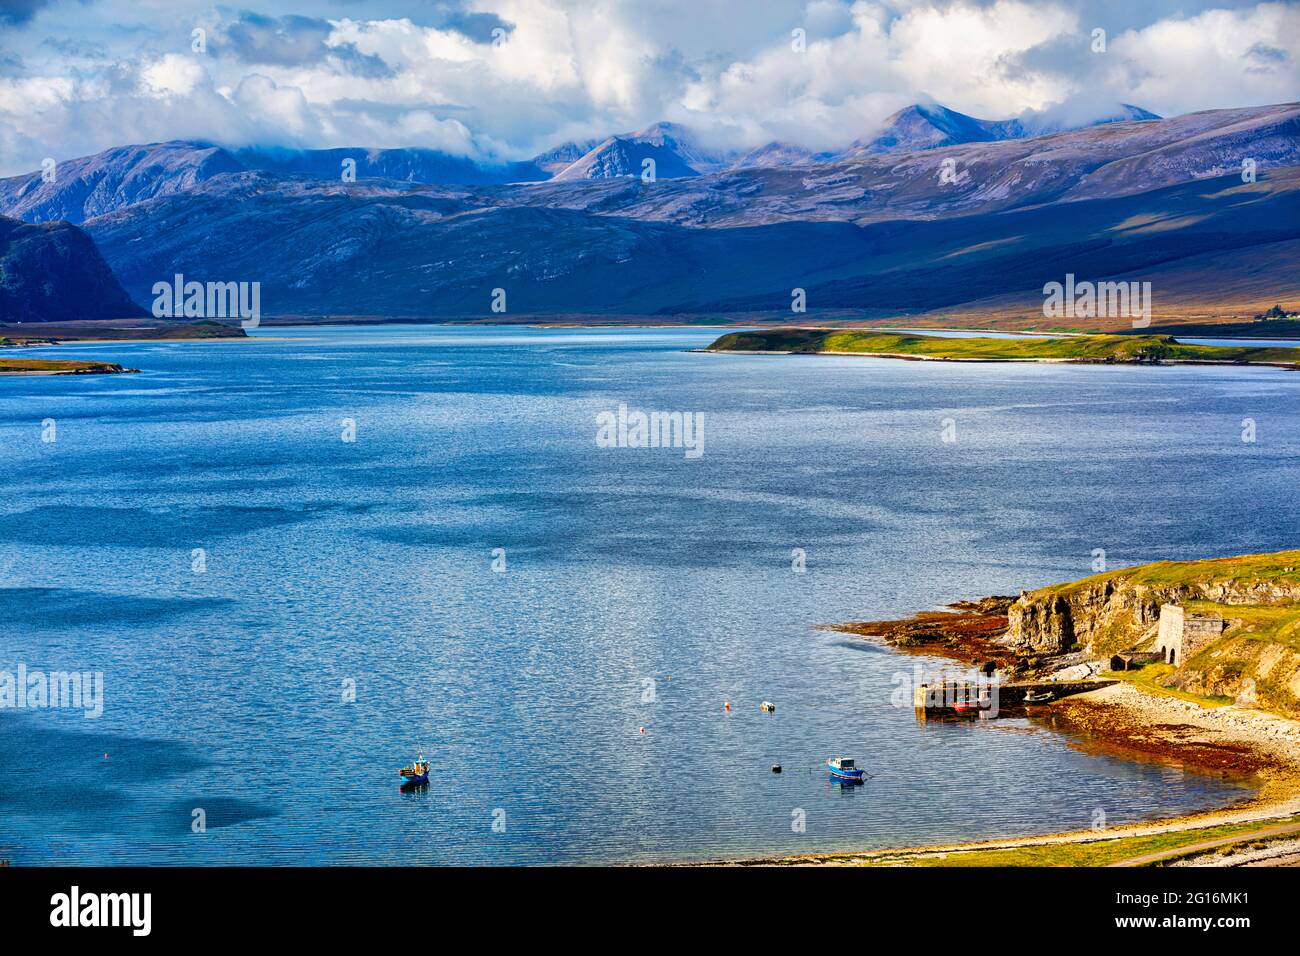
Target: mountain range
{"points": [[90, 186], [938, 211], [921, 126]]}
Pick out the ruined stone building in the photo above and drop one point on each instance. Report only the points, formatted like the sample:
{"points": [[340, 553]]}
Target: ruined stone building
{"points": [[1182, 635]]}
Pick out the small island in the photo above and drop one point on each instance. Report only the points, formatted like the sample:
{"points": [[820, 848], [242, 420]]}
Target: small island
{"points": [[1085, 349]]}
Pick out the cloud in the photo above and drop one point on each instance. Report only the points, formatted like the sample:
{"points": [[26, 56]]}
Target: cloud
{"points": [[288, 40], [964, 55], [508, 78], [15, 12], [172, 75], [293, 41], [1218, 58]]}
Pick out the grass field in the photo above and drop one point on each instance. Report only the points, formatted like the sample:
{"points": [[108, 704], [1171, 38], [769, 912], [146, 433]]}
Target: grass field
{"points": [[1084, 348], [1279, 567]]}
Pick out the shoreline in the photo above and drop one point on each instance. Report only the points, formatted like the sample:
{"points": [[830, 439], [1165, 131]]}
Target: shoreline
{"points": [[1245, 743]]}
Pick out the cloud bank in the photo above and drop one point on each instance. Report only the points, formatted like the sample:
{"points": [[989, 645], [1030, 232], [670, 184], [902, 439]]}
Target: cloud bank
{"points": [[504, 79]]}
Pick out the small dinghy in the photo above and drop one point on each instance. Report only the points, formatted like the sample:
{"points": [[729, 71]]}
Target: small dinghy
{"points": [[1038, 697], [844, 768], [415, 774]]}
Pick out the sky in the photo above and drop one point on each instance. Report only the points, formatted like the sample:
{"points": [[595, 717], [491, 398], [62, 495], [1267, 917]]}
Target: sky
{"points": [[506, 79]]}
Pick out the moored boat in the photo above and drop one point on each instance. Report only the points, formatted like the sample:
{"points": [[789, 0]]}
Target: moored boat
{"points": [[844, 768], [415, 774]]}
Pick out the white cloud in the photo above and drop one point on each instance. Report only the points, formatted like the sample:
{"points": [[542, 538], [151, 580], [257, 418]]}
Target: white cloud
{"points": [[173, 75], [406, 76], [1219, 58], [965, 55]]}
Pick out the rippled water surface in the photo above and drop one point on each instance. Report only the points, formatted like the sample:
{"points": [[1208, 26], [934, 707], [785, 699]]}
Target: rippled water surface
{"points": [[630, 574]]}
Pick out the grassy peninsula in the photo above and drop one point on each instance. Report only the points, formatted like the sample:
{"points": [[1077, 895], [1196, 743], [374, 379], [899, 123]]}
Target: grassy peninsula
{"points": [[1108, 349], [10, 366]]}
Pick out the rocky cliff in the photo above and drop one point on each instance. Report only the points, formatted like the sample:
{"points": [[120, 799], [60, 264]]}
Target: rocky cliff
{"points": [[1114, 611], [1257, 660]]}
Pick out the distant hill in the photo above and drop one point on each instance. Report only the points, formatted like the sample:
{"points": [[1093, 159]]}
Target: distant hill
{"points": [[320, 249], [93, 185], [52, 273], [116, 178], [406, 165], [1056, 120], [1163, 236], [678, 153], [617, 158], [922, 126], [674, 150], [1095, 162], [873, 234], [554, 160], [774, 154]]}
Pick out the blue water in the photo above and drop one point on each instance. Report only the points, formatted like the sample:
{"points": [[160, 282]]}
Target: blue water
{"points": [[371, 561]]}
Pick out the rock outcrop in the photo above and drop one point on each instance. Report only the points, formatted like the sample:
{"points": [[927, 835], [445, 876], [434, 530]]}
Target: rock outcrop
{"points": [[1110, 612], [52, 273], [1252, 672]]}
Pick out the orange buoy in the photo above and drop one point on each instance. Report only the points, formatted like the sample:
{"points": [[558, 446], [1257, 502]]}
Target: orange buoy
{"points": [[726, 705]]}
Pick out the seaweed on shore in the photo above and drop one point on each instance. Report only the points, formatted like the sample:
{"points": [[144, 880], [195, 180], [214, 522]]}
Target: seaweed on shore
{"points": [[969, 632]]}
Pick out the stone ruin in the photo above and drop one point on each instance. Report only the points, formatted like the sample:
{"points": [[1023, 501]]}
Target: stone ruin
{"points": [[1182, 635]]}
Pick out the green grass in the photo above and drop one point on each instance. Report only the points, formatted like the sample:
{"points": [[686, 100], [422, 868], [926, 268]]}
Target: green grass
{"points": [[1148, 678], [1097, 853], [1083, 348], [1277, 566]]}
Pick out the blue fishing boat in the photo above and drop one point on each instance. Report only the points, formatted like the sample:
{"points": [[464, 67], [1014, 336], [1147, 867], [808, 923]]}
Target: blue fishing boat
{"points": [[415, 774], [844, 768]]}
